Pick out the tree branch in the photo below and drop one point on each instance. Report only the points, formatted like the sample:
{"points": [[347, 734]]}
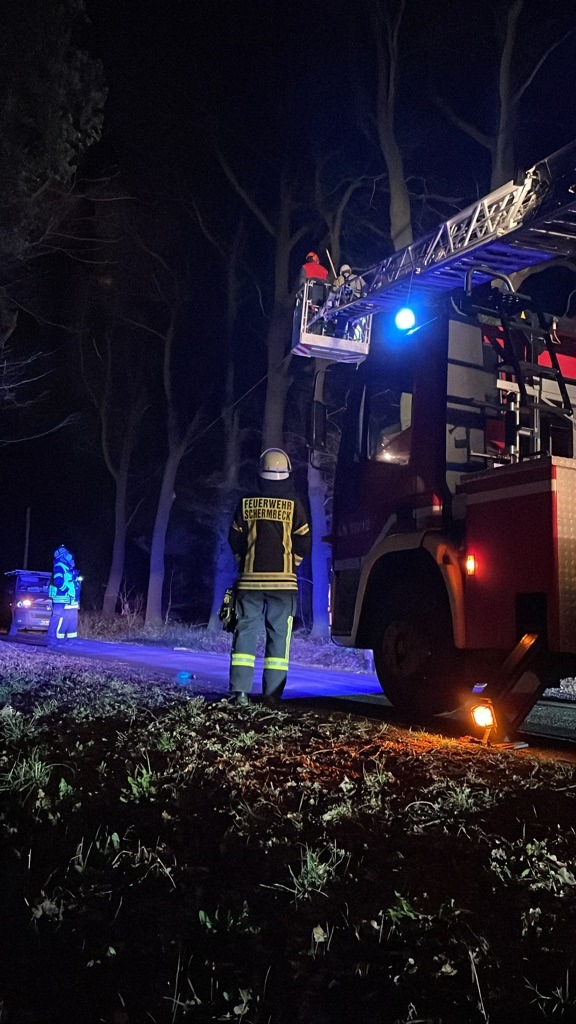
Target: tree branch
{"points": [[252, 206], [298, 235], [144, 327], [68, 421], [528, 81], [206, 231], [488, 141]]}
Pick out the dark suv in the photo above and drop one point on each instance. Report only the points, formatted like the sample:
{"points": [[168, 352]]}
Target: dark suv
{"points": [[27, 595]]}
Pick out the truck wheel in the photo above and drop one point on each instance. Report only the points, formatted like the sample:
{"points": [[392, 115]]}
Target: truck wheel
{"points": [[418, 666]]}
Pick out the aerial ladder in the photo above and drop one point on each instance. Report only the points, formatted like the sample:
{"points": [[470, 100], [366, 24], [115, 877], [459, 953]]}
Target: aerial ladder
{"points": [[453, 534], [518, 226]]}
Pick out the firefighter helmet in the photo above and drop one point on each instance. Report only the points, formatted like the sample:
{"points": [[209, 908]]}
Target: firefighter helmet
{"points": [[313, 256], [274, 464], [63, 555]]}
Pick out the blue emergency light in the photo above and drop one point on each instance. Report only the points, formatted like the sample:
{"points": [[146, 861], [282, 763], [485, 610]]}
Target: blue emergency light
{"points": [[405, 319]]}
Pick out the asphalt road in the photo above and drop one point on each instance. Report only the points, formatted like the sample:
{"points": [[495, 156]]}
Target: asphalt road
{"points": [[209, 673]]}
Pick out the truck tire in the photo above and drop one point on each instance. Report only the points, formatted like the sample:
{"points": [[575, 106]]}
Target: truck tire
{"points": [[418, 666]]}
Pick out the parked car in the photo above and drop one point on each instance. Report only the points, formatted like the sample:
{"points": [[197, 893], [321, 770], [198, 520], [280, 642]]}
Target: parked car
{"points": [[26, 594]]}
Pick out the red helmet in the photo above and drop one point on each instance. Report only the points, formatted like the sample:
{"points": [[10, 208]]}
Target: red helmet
{"points": [[313, 256]]}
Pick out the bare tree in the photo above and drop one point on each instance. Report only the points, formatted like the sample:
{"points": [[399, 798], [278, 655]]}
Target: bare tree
{"points": [[386, 17], [285, 236], [170, 295], [114, 380], [522, 56], [224, 482]]}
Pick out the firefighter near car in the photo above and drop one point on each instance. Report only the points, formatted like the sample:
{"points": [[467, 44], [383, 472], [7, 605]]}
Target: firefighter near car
{"points": [[64, 591], [453, 535]]}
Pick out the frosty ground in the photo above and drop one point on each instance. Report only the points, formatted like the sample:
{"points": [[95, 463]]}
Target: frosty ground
{"points": [[167, 857]]}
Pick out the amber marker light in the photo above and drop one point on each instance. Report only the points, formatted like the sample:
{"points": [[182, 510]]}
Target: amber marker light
{"points": [[470, 565]]}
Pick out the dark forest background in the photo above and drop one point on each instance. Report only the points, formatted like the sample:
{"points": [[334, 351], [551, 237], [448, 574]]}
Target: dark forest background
{"points": [[164, 169]]}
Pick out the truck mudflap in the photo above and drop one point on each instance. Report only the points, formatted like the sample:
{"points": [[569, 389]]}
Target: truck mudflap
{"points": [[515, 689]]}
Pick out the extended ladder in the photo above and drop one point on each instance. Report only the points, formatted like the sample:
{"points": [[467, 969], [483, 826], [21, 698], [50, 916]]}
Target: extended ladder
{"points": [[517, 226]]}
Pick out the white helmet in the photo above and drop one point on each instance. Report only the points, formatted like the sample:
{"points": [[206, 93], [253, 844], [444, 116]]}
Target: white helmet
{"points": [[274, 464], [345, 269]]}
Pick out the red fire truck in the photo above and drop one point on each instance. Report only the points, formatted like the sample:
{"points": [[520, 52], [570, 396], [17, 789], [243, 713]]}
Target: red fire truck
{"points": [[454, 526]]}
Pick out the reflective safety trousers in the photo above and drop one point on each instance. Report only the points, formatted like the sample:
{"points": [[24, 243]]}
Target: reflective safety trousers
{"points": [[278, 608], [63, 623]]}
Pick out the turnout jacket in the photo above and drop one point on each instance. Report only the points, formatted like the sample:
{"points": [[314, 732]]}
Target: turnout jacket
{"points": [[62, 587], [269, 536]]}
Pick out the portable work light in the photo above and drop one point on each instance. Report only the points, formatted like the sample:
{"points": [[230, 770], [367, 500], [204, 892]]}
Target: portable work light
{"points": [[484, 718]]}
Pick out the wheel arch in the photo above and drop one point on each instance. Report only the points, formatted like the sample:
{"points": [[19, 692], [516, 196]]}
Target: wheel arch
{"points": [[430, 559]]}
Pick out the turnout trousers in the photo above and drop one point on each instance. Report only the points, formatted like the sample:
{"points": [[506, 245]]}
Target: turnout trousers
{"points": [[63, 623], [278, 608]]}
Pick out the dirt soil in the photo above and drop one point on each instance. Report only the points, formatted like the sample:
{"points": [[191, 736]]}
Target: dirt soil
{"points": [[167, 857]]}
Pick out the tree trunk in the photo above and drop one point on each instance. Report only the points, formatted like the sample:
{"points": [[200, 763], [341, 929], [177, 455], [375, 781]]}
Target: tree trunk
{"points": [[400, 214], [278, 378], [386, 22], [317, 489], [504, 163], [156, 580], [118, 548], [224, 566], [503, 156], [116, 571]]}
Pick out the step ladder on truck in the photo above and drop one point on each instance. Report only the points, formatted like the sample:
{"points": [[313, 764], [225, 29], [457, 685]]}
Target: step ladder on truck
{"points": [[454, 524]]}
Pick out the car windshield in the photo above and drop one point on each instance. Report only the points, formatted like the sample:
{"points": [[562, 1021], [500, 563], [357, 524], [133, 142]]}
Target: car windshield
{"points": [[33, 585]]}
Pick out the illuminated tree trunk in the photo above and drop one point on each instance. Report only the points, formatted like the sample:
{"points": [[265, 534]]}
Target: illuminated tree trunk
{"points": [[317, 494], [178, 442], [158, 545], [119, 545], [224, 565]]}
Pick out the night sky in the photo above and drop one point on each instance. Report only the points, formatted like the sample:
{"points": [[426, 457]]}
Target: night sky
{"points": [[278, 87]]}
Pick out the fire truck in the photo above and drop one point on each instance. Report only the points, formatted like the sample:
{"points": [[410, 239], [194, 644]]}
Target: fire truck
{"points": [[454, 523]]}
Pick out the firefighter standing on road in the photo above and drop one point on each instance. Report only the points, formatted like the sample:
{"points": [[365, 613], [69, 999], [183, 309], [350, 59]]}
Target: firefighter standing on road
{"points": [[269, 536], [64, 590]]}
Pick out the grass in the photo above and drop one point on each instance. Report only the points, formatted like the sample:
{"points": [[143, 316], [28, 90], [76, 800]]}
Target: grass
{"points": [[170, 858]]}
